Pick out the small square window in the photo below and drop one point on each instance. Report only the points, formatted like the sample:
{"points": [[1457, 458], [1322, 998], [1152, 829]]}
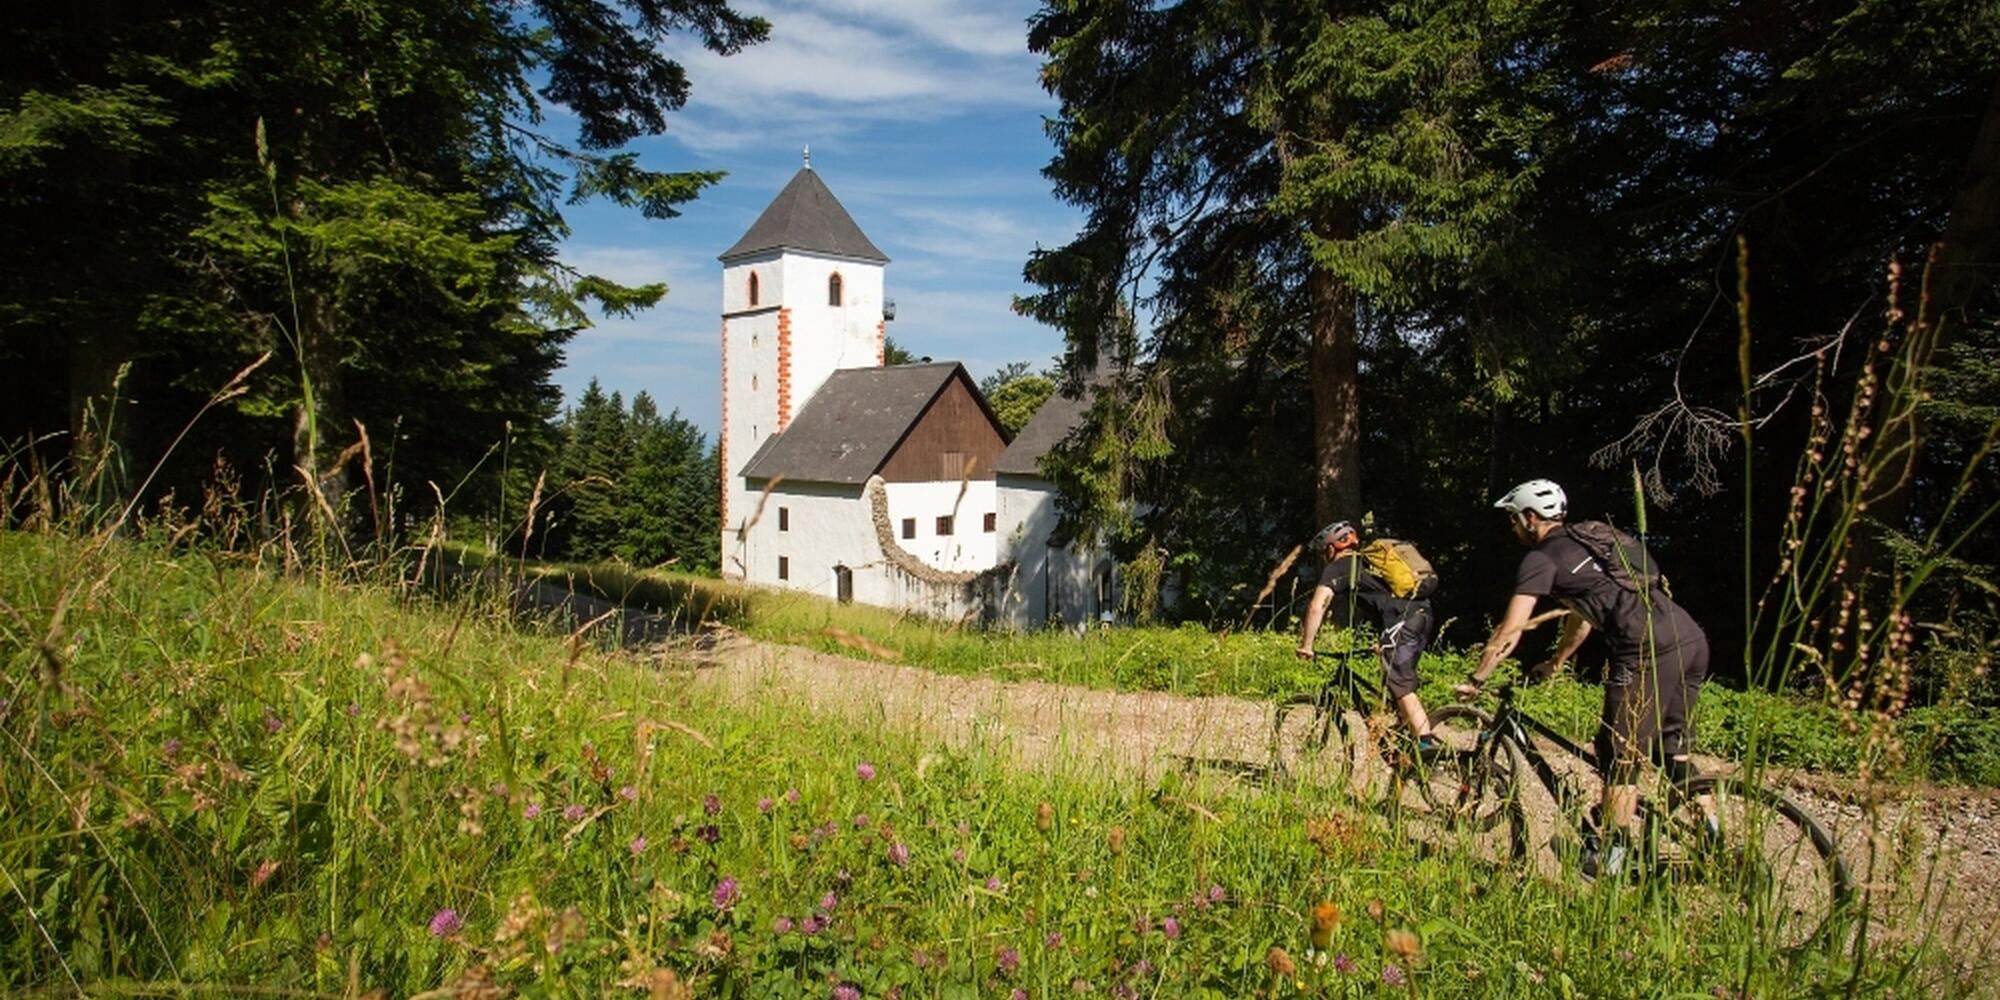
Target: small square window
{"points": [[909, 527], [992, 521], [944, 525], [784, 519], [784, 568]]}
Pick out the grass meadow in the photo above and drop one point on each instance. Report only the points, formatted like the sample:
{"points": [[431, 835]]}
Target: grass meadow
{"points": [[223, 779]]}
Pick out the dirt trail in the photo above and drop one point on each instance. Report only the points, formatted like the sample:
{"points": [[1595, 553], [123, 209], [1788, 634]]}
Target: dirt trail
{"points": [[1932, 850]]}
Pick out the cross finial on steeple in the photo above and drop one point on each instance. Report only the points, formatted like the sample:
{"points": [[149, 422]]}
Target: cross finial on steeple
{"points": [[809, 157]]}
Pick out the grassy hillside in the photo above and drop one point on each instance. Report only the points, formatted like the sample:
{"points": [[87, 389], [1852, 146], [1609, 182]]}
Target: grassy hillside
{"points": [[215, 775]]}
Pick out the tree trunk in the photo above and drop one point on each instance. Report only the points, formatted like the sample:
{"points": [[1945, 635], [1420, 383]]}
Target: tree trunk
{"points": [[320, 422], [1970, 251], [1335, 369]]}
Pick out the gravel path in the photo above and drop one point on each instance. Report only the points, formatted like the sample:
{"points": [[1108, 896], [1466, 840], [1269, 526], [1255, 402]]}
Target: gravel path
{"points": [[1919, 851]]}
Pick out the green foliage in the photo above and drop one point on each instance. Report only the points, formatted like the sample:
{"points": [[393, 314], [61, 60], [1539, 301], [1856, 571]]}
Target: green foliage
{"points": [[1016, 400], [367, 190], [895, 354], [638, 486]]}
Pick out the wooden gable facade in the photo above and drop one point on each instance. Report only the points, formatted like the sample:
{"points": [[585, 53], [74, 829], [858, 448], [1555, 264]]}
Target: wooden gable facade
{"points": [[957, 437]]}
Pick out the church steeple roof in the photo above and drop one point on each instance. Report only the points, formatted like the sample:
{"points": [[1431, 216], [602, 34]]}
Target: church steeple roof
{"points": [[806, 216]]}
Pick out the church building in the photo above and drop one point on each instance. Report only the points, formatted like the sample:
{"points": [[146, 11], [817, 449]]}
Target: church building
{"points": [[889, 485]]}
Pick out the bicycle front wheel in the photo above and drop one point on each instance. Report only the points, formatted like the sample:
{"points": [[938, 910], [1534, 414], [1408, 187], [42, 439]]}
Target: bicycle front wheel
{"points": [[1472, 791], [1300, 727], [1753, 856]]}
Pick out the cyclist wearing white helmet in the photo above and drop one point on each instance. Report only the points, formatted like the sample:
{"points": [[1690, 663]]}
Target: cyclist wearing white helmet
{"points": [[1659, 655], [1405, 622]]}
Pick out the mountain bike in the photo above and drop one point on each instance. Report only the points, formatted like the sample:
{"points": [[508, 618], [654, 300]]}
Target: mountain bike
{"points": [[1326, 734], [1734, 845]]}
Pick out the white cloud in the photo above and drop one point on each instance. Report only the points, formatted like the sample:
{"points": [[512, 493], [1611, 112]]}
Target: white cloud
{"points": [[831, 66]]}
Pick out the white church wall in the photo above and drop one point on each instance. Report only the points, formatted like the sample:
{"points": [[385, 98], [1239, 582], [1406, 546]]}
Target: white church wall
{"points": [[969, 546], [826, 337], [1050, 585], [817, 527]]}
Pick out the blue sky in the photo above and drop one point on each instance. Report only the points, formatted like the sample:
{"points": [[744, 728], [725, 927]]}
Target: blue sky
{"points": [[924, 117]]}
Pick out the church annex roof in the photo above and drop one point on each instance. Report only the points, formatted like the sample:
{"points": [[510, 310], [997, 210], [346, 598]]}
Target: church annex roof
{"points": [[806, 216], [1053, 422], [857, 419]]}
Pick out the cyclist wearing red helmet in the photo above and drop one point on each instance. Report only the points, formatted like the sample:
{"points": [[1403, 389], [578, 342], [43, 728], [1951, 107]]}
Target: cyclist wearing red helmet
{"points": [[1405, 621], [1659, 655]]}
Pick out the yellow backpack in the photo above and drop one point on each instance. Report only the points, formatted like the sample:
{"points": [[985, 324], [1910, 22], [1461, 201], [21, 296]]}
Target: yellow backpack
{"points": [[1400, 567]]}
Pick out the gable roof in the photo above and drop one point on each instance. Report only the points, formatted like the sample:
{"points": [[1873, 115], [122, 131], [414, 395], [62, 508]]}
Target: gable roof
{"points": [[856, 420], [806, 216], [1046, 429]]}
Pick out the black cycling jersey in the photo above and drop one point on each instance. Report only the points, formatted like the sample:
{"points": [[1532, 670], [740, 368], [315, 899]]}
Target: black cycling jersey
{"points": [[1560, 567]]}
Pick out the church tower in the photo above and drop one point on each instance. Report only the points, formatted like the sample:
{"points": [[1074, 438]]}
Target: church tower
{"points": [[801, 298]]}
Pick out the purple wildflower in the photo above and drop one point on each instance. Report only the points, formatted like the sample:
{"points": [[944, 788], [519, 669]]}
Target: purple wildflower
{"points": [[843, 876], [271, 722], [709, 833], [792, 796], [782, 925], [958, 855], [171, 748], [764, 804], [1392, 974], [1120, 991], [446, 923], [726, 893], [865, 771], [846, 991], [629, 794], [1018, 994], [964, 829], [993, 884], [531, 810], [1008, 960], [1216, 894], [1142, 969], [811, 925], [1342, 964], [1052, 940], [711, 803], [860, 820], [353, 709], [637, 845], [899, 854], [574, 812], [1171, 928], [828, 902]]}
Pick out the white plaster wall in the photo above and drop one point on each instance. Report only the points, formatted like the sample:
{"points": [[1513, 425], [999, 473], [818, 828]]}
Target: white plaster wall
{"points": [[1050, 585], [750, 404], [736, 281], [826, 338], [830, 525], [969, 546]]}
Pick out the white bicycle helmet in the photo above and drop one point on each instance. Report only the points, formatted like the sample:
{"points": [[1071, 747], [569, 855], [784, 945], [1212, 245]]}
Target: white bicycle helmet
{"points": [[1543, 497], [1340, 534]]}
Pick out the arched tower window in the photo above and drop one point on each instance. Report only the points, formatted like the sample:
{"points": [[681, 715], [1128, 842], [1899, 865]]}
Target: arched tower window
{"points": [[753, 288], [833, 290]]}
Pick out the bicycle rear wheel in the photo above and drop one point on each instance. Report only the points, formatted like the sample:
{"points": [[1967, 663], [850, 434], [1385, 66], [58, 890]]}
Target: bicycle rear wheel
{"points": [[1472, 791], [1751, 854], [1300, 728]]}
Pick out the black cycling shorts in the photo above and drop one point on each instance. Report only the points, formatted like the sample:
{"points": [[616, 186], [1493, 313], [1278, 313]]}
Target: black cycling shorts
{"points": [[1647, 704], [1401, 645]]}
